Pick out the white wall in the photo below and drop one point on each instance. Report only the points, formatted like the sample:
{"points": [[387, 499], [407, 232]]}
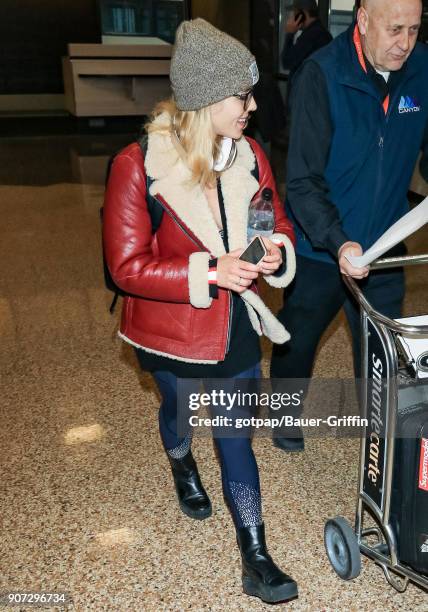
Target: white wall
{"points": [[342, 5]]}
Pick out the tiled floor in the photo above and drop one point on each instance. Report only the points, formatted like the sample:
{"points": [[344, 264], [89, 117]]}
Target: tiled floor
{"points": [[87, 501]]}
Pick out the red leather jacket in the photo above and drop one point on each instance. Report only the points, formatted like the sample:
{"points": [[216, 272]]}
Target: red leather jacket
{"points": [[168, 310]]}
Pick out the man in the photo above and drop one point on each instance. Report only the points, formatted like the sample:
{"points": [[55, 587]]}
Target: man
{"points": [[269, 118], [359, 118], [304, 17]]}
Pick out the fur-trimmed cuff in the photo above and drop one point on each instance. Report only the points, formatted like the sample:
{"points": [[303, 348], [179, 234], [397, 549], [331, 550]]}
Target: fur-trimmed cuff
{"points": [[283, 280], [198, 280], [268, 324]]}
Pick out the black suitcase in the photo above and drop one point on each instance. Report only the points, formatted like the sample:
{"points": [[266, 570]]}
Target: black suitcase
{"points": [[409, 502]]}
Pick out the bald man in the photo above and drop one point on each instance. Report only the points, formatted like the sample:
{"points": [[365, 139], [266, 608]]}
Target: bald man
{"points": [[358, 121]]}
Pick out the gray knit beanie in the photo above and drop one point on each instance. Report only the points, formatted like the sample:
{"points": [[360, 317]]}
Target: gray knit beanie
{"points": [[208, 65]]}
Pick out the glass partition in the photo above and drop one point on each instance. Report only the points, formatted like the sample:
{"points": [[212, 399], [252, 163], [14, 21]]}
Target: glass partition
{"points": [[158, 18], [341, 16], [285, 10]]}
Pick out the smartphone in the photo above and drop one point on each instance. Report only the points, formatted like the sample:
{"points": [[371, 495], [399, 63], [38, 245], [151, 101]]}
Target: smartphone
{"points": [[255, 251]]}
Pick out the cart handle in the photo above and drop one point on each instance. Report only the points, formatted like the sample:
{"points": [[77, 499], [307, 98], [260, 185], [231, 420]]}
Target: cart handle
{"points": [[388, 262], [404, 260]]}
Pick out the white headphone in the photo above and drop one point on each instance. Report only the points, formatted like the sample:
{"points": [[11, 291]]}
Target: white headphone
{"points": [[227, 154]]}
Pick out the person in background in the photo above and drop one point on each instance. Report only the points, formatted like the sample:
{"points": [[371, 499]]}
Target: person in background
{"points": [[192, 309], [359, 122], [270, 117], [303, 18]]}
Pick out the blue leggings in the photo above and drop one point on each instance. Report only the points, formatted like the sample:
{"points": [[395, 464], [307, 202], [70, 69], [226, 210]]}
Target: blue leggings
{"points": [[240, 475]]}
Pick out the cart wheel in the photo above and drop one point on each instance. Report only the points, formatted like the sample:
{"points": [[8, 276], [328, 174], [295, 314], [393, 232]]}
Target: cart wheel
{"points": [[342, 548]]}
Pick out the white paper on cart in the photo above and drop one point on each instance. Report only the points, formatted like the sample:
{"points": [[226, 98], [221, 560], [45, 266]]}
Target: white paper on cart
{"points": [[416, 348], [403, 228]]}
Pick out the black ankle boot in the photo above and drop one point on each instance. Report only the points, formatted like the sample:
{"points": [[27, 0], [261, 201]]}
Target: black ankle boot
{"points": [[288, 438], [293, 444], [260, 576], [192, 496]]}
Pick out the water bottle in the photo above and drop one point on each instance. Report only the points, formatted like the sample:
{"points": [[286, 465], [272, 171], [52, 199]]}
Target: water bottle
{"points": [[261, 219]]}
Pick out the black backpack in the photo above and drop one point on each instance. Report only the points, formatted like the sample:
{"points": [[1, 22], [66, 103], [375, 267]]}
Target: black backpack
{"points": [[155, 210]]}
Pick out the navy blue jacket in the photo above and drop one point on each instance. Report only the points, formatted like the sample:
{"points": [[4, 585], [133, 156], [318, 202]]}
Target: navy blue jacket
{"points": [[349, 164], [312, 38]]}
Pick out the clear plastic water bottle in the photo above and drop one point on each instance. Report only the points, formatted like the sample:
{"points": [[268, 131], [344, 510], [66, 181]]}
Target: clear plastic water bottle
{"points": [[261, 219]]}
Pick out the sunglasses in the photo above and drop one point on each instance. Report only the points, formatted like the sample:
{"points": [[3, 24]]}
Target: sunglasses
{"points": [[245, 97]]}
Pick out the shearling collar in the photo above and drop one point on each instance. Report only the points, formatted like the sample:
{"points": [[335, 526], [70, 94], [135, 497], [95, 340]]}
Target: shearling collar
{"points": [[171, 176]]}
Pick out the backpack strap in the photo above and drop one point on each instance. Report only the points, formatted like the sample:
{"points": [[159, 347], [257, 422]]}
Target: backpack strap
{"points": [[255, 171], [154, 207]]}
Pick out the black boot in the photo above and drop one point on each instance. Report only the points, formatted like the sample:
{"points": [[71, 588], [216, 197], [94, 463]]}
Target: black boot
{"points": [[288, 438], [260, 576], [192, 496], [292, 444]]}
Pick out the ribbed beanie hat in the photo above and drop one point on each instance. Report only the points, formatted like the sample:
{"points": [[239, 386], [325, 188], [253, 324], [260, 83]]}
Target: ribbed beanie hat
{"points": [[208, 65]]}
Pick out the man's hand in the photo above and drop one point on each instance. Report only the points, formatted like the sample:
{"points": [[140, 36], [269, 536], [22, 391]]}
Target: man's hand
{"points": [[354, 249]]}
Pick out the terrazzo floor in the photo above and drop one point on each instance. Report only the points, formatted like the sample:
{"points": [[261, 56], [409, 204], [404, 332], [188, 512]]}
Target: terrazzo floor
{"points": [[87, 501]]}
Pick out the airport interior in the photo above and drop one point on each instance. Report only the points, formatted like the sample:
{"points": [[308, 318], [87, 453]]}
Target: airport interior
{"points": [[88, 506]]}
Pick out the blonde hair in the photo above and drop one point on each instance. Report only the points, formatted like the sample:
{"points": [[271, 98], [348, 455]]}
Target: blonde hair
{"points": [[192, 132]]}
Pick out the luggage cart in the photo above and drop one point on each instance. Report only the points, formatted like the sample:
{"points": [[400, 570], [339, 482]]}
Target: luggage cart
{"points": [[397, 386]]}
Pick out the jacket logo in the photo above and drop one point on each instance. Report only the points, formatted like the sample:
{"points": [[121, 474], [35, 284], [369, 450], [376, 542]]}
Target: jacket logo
{"points": [[254, 72], [423, 465], [408, 105]]}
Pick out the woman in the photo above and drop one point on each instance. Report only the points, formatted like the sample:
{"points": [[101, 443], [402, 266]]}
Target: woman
{"points": [[192, 309]]}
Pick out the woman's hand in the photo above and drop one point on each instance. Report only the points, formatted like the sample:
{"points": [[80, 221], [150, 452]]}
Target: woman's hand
{"points": [[273, 260], [235, 274]]}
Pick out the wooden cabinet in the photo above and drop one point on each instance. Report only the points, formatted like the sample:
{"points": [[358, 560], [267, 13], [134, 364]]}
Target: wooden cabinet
{"points": [[107, 80]]}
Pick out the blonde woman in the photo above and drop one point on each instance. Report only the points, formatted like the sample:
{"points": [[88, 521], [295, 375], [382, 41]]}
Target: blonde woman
{"points": [[192, 309]]}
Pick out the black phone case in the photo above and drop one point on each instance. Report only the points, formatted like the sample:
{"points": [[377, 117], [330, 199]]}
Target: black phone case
{"points": [[300, 18], [254, 252]]}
